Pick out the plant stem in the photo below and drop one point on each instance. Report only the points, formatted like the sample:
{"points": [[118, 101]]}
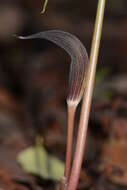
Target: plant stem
{"points": [[71, 116], [71, 109], [83, 124], [44, 6]]}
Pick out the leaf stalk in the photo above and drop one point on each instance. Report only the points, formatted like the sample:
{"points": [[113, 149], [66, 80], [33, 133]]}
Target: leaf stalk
{"points": [[86, 104]]}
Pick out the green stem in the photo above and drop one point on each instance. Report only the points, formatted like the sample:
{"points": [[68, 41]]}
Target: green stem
{"points": [[44, 6], [84, 117]]}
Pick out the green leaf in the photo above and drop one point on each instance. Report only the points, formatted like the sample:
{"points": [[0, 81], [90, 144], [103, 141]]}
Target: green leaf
{"points": [[37, 161]]}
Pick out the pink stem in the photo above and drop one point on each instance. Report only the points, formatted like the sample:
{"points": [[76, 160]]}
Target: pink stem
{"points": [[84, 117]]}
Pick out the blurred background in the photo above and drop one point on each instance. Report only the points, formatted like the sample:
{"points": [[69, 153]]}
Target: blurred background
{"points": [[33, 85]]}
